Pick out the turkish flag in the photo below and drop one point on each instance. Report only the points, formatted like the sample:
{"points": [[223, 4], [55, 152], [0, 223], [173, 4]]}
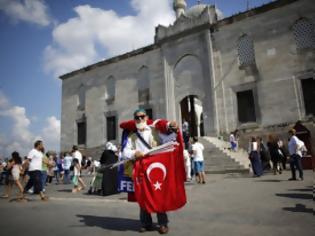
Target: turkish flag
{"points": [[159, 181]]}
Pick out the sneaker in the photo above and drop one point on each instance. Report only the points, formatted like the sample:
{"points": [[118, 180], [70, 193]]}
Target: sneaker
{"points": [[30, 191], [301, 178], [292, 179]]}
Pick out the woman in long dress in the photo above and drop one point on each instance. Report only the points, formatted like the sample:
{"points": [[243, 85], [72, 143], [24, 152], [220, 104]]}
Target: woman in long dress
{"points": [[255, 158]]}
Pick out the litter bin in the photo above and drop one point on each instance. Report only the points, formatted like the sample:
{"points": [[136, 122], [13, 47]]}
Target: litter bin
{"points": [[109, 183]]}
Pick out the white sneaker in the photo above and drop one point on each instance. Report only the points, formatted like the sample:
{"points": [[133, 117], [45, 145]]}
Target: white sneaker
{"points": [[30, 191]]}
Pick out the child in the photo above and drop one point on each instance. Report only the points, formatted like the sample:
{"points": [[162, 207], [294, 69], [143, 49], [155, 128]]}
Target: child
{"points": [[16, 172], [7, 167], [15, 166]]}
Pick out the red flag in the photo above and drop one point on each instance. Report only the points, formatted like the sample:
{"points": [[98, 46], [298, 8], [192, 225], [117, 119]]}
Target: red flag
{"points": [[159, 181]]}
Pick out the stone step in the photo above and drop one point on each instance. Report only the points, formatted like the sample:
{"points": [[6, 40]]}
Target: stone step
{"points": [[227, 171], [223, 166], [240, 156], [219, 162]]}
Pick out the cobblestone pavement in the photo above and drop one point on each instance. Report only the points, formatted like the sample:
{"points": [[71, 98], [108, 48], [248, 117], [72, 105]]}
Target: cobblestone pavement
{"points": [[226, 205]]}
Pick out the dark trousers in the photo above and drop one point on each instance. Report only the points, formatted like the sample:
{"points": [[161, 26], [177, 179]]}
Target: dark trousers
{"points": [[146, 219], [296, 163], [35, 180]]}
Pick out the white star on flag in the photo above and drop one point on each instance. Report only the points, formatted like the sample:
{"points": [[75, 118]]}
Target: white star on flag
{"points": [[157, 185]]}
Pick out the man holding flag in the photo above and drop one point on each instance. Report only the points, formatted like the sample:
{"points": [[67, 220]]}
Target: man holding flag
{"points": [[157, 188]]}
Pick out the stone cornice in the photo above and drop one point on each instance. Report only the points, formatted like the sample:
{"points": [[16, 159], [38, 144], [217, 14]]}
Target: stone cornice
{"points": [[111, 60]]}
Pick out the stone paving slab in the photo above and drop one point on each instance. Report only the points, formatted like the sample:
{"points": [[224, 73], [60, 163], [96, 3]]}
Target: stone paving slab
{"points": [[228, 204]]}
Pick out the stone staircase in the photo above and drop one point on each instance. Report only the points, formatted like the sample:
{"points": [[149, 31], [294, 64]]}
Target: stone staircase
{"points": [[220, 160]]}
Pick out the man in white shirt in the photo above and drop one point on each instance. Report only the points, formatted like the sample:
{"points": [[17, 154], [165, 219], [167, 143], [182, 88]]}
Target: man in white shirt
{"points": [[295, 147], [35, 159], [76, 154], [67, 161], [197, 149]]}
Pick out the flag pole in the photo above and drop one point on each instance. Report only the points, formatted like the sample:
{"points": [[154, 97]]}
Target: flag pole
{"points": [[166, 147]]}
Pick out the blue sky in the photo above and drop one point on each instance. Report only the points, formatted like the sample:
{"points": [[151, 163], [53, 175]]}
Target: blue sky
{"points": [[42, 39]]}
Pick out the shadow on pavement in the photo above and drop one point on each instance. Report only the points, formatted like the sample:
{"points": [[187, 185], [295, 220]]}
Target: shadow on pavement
{"points": [[299, 208], [295, 195], [65, 190], [302, 190], [110, 223], [269, 180]]}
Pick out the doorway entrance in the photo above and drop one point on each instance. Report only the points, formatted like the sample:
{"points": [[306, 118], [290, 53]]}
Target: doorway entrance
{"points": [[192, 115]]}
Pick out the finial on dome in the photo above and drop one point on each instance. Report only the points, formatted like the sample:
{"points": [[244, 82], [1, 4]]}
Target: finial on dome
{"points": [[179, 7]]}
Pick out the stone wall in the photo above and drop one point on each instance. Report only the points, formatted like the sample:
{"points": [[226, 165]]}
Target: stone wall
{"points": [[125, 73], [275, 79]]}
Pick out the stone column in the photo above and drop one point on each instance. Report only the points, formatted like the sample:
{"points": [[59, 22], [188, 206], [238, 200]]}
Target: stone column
{"points": [[169, 91]]}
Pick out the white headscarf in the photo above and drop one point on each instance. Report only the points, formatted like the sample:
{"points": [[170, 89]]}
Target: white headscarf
{"points": [[110, 146]]}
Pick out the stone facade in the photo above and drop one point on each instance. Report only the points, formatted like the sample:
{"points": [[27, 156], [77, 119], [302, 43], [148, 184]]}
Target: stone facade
{"points": [[214, 60]]}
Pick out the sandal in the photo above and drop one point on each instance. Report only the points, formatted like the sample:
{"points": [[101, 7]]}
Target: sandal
{"points": [[45, 198]]}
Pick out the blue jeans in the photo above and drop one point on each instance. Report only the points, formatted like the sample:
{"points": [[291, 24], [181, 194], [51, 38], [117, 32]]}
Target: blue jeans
{"points": [[199, 166], [296, 163], [66, 179], [44, 178]]}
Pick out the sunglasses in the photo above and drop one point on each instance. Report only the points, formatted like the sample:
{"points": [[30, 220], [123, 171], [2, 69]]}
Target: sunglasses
{"points": [[140, 117]]}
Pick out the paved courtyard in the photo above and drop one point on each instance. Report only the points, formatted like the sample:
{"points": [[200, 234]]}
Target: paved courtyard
{"points": [[226, 205]]}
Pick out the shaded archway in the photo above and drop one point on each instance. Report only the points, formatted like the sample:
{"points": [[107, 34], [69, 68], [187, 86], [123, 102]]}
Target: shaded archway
{"points": [[192, 113]]}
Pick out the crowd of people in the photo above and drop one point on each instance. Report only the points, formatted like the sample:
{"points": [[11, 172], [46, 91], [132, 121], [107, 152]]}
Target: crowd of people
{"points": [[260, 155], [38, 169]]}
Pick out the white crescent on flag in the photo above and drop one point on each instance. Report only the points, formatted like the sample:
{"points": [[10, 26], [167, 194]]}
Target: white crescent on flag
{"points": [[158, 165]]}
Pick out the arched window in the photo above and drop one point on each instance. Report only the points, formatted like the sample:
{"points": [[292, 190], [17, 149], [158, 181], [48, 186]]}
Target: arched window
{"points": [[304, 34], [143, 84], [246, 52], [110, 89], [81, 95]]}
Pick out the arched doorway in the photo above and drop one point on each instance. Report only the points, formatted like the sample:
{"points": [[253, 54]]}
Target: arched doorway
{"points": [[192, 114]]}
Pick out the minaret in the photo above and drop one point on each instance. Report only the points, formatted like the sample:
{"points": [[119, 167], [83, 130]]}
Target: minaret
{"points": [[179, 7]]}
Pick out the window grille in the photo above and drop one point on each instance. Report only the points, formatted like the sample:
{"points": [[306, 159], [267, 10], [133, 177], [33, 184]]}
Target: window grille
{"points": [[246, 52], [304, 34]]}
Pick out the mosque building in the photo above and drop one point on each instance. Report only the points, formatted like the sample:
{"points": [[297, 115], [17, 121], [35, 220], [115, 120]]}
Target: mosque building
{"points": [[253, 71]]}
